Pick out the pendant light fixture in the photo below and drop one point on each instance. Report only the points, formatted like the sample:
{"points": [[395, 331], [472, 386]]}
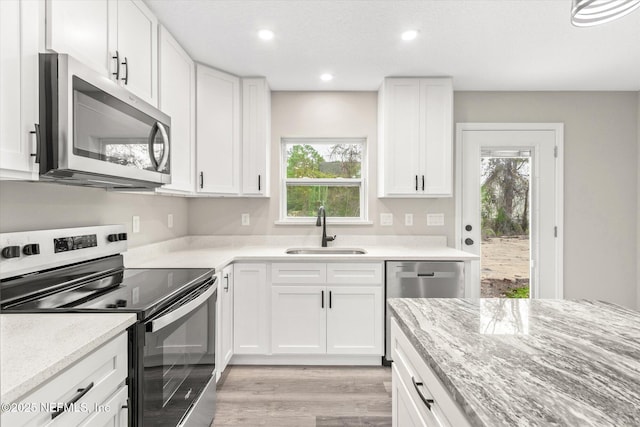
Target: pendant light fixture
{"points": [[586, 13]]}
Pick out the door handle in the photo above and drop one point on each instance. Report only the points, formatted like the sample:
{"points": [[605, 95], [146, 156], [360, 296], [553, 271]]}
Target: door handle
{"points": [[422, 182], [117, 58], [201, 179], [468, 241], [322, 299], [258, 182], [165, 144], [226, 278], [416, 182], [126, 75], [330, 299]]}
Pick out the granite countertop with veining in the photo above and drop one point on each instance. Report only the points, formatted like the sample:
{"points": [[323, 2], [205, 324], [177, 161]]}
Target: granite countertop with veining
{"points": [[37, 346], [510, 362]]}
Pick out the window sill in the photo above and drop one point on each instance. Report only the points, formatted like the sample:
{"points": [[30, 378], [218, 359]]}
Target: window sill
{"points": [[331, 223]]}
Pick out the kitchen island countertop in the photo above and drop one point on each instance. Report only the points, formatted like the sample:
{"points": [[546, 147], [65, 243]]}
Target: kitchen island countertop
{"points": [[37, 346], [509, 362]]}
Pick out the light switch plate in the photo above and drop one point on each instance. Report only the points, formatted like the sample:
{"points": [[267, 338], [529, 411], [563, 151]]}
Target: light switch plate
{"points": [[170, 220], [408, 219], [135, 224], [246, 219], [435, 220], [386, 219]]}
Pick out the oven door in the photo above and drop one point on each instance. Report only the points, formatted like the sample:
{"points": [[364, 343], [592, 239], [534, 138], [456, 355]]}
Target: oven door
{"points": [[179, 361]]}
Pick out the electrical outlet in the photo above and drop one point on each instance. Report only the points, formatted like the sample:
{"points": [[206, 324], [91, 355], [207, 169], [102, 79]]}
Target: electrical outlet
{"points": [[135, 224], [408, 219], [386, 219], [246, 219], [170, 220], [435, 220]]}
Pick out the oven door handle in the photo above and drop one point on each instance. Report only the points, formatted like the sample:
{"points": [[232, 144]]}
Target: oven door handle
{"points": [[181, 311]]}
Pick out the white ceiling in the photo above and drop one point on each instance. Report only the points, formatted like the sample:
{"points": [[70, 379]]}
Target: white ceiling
{"points": [[482, 44]]}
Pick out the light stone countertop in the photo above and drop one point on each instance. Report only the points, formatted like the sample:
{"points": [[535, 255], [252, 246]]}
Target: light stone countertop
{"points": [[217, 252], [510, 362], [36, 346]]}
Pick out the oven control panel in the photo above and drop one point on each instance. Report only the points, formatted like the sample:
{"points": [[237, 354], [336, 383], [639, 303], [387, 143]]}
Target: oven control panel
{"points": [[63, 244], [26, 252]]}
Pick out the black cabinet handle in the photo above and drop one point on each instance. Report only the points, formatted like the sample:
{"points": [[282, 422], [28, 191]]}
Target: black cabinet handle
{"points": [[201, 179], [322, 299], [81, 392], [37, 134], [117, 58], [330, 299], [226, 278], [416, 385], [416, 182], [422, 182], [258, 182], [126, 75]]}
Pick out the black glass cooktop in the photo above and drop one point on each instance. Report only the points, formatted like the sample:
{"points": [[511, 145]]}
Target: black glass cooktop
{"points": [[131, 289]]}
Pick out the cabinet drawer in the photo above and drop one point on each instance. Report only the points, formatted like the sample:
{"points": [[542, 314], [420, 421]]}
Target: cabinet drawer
{"points": [[298, 273], [102, 372], [421, 380], [354, 273]]}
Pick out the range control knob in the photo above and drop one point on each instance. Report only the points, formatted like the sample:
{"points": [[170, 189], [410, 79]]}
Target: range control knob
{"points": [[121, 303], [31, 249], [11, 252], [112, 237], [122, 236]]}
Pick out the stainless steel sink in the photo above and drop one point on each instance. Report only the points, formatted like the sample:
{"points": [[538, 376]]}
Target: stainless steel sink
{"points": [[325, 251]]}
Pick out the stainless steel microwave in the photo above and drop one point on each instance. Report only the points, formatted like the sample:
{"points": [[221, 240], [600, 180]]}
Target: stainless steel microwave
{"points": [[92, 132]]}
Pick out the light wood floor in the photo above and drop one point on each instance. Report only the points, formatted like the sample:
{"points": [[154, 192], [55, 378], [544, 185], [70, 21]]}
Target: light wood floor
{"points": [[301, 396]]}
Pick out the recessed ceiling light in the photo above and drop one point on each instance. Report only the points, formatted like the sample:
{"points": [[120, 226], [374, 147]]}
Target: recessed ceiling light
{"points": [[265, 34], [409, 35], [326, 77]]}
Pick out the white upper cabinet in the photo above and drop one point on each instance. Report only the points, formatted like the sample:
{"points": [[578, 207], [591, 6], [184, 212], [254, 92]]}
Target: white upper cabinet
{"points": [[177, 98], [19, 39], [256, 136], [118, 38], [217, 131], [415, 137], [137, 47]]}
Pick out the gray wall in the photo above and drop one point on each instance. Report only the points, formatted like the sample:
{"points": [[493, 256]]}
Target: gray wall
{"points": [[318, 114], [32, 206], [600, 180]]}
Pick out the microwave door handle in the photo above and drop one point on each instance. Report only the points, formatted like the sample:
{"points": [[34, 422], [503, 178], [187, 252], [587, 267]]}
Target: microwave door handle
{"points": [[180, 312], [165, 142]]}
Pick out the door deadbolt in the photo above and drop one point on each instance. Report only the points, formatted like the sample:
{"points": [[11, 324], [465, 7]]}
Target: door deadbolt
{"points": [[468, 227]]}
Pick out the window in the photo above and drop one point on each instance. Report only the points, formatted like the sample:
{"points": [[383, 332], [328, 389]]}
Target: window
{"points": [[325, 172]]}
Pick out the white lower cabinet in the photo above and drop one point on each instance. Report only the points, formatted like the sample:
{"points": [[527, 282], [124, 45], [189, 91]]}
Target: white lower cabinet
{"points": [[298, 320], [92, 392], [225, 319], [250, 309], [312, 315], [418, 397]]}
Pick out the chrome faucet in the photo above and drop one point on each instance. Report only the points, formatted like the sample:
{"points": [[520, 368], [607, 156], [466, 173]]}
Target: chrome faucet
{"points": [[322, 222]]}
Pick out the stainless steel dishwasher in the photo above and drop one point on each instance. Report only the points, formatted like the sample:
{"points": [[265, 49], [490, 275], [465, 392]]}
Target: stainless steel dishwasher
{"points": [[421, 279]]}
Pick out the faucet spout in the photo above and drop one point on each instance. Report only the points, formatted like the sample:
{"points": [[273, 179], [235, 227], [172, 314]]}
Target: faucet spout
{"points": [[322, 222]]}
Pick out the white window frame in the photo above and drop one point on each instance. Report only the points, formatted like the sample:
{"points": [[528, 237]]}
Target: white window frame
{"points": [[331, 182]]}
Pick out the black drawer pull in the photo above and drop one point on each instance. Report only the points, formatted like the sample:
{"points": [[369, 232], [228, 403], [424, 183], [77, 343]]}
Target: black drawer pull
{"points": [[81, 392], [427, 402], [426, 274]]}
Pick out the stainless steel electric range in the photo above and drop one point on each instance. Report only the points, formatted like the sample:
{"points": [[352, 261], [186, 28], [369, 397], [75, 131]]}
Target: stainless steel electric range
{"points": [[171, 347]]}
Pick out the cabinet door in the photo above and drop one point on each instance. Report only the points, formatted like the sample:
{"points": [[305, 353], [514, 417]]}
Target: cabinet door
{"points": [[298, 320], [225, 290], [250, 309], [401, 138], [404, 411], [19, 31], [354, 320], [85, 30], [217, 131], [138, 47], [177, 99], [116, 416], [436, 136], [256, 136]]}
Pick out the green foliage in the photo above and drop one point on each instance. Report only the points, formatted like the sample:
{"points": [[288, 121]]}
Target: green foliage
{"points": [[505, 196], [304, 161], [518, 293]]}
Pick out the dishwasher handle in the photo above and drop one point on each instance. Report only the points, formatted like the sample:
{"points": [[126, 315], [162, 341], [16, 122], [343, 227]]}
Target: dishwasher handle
{"points": [[425, 275]]}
